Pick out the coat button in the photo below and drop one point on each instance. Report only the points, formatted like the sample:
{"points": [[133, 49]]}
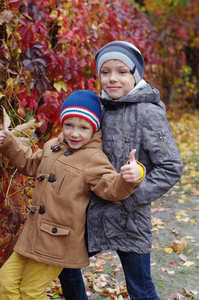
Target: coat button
{"points": [[42, 210], [54, 230]]}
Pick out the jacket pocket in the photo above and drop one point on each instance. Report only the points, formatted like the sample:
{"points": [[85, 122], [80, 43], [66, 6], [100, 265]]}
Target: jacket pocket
{"points": [[62, 183], [51, 236], [117, 222]]}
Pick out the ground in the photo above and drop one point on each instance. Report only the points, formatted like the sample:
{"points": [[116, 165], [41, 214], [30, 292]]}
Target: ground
{"points": [[174, 255]]}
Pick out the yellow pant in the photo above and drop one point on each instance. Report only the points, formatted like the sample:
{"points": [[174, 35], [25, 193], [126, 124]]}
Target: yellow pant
{"points": [[24, 278]]}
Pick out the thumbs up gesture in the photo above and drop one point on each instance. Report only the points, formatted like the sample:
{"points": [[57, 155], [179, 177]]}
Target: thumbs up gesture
{"points": [[131, 172], [3, 132]]}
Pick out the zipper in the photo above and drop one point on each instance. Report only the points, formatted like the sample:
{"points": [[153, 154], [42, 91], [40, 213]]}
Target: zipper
{"points": [[123, 142], [161, 143]]}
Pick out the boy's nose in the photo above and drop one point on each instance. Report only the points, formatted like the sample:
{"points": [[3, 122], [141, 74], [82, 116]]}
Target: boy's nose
{"points": [[113, 76], [75, 133]]}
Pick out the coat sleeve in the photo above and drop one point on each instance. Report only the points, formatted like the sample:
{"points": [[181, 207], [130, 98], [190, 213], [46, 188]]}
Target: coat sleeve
{"points": [[20, 156], [105, 182], [165, 168]]}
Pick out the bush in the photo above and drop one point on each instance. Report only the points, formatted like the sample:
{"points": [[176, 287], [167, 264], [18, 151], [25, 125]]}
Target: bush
{"points": [[47, 50]]}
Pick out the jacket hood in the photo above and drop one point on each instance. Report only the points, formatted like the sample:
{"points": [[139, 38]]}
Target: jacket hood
{"points": [[142, 92], [95, 141]]}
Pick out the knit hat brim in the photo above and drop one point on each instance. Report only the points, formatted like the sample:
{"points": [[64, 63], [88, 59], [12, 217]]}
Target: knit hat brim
{"points": [[125, 52], [81, 112], [83, 104]]}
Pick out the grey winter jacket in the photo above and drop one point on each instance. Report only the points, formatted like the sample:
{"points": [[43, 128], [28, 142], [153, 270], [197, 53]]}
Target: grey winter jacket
{"points": [[137, 120]]}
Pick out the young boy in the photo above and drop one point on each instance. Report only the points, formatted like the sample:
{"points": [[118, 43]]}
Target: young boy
{"points": [[67, 170], [133, 117]]}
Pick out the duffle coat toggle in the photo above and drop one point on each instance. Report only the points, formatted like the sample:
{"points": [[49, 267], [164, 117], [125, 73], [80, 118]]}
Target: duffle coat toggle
{"points": [[51, 178], [55, 148], [40, 208]]}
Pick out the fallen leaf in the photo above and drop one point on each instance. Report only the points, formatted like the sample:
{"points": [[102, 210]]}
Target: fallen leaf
{"points": [[156, 221], [181, 213], [164, 269], [189, 293], [189, 264], [177, 296], [179, 246], [183, 257], [168, 250], [100, 262], [195, 193], [195, 208], [96, 289], [173, 230], [173, 264]]}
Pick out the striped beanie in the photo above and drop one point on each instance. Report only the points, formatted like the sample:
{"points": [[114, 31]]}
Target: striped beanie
{"points": [[82, 104], [125, 52]]}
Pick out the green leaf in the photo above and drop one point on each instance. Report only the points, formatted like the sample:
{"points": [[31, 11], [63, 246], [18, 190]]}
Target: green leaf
{"points": [[60, 85]]}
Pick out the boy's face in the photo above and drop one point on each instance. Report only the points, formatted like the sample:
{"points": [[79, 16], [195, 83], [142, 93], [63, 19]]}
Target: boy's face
{"points": [[116, 78], [77, 132]]}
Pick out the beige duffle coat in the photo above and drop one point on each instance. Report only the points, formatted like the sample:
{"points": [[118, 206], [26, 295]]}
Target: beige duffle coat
{"points": [[54, 230]]}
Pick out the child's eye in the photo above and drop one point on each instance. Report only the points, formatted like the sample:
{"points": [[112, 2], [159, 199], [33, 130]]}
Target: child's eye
{"points": [[123, 71], [104, 72], [84, 128], [68, 125]]}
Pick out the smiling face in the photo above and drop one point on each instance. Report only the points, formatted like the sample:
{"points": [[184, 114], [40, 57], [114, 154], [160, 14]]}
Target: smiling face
{"points": [[116, 78], [77, 132]]}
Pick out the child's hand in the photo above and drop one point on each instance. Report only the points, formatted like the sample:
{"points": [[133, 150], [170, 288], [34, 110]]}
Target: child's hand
{"points": [[3, 133], [132, 171]]}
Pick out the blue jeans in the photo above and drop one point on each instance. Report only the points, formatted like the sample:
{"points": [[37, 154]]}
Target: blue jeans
{"points": [[72, 284], [137, 272]]}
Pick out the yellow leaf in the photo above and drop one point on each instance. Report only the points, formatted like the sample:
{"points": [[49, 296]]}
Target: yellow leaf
{"points": [[88, 274], [189, 293], [53, 14], [156, 221], [60, 85], [180, 245], [26, 128], [168, 250], [192, 221], [96, 289], [188, 264], [185, 220], [171, 272], [194, 174], [178, 217], [184, 180], [194, 292], [10, 82], [1, 95]]}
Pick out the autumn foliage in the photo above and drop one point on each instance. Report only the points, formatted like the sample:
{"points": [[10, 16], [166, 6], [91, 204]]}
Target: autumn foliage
{"points": [[177, 25], [47, 50]]}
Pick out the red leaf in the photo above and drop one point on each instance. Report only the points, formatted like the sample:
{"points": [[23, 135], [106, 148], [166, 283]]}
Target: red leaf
{"points": [[15, 4]]}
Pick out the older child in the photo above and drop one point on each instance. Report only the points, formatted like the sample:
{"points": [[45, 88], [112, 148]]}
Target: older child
{"points": [[67, 170], [134, 117]]}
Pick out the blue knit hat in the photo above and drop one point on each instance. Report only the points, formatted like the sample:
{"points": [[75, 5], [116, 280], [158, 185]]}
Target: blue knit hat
{"points": [[125, 52], [82, 104]]}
